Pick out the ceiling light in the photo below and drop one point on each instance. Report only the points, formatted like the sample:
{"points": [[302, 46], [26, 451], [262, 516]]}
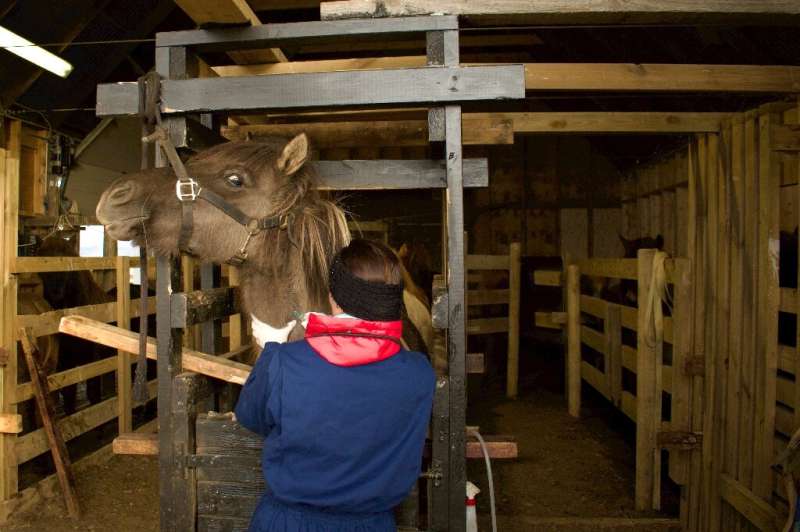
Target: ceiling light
{"points": [[35, 54]]}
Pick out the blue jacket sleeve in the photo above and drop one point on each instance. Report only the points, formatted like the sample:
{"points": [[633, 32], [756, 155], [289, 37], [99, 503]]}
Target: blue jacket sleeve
{"points": [[251, 409]]}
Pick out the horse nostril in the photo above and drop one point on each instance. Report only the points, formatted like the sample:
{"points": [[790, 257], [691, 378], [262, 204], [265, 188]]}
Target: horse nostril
{"points": [[122, 193]]}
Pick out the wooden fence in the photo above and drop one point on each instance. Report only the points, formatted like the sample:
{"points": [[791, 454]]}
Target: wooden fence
{"points": [[634, 377], [478, 296], [16, 447]]}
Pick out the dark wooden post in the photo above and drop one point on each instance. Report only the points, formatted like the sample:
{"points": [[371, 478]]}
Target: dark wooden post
{"points": [[170, 63]]}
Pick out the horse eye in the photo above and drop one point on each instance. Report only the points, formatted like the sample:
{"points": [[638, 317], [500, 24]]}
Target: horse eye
{"points": [[235, 180]]}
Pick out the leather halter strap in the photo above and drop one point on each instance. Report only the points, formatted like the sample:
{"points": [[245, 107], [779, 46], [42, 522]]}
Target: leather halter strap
{"points": [[189, 191]]}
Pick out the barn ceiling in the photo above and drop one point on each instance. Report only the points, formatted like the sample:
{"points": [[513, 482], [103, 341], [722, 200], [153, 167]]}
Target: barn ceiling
{"points": [[96, 27]]}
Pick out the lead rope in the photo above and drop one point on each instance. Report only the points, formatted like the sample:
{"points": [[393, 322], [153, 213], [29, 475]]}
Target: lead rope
{"points": [[149, 86], [654, 313]]}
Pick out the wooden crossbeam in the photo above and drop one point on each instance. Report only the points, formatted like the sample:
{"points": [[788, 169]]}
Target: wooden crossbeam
{"points": [[661, 77], [376, 133], [565, 11], [327, 89], [10, 423], [140, 443], [217, 367], [609, 122]]}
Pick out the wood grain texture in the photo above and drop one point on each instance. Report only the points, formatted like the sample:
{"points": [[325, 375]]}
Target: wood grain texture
{"points": [[562, 11], [573, 341], [213, 366]]}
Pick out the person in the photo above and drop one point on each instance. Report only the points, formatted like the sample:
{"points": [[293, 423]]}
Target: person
{"points": [[345, 411]]}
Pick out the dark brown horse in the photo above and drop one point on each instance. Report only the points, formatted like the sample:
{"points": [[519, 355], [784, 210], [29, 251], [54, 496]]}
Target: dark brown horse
{"points": [[66, 290], [285, 271]]}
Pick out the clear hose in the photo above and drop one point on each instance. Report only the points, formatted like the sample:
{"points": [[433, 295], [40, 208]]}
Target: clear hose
{"points": [[488, 475]]}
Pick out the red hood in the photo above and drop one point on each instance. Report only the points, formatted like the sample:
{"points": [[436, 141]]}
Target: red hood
{"points": [[351, 341]]}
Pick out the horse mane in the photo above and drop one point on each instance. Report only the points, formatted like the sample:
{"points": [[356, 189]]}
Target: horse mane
{"points": [[319, 231]]}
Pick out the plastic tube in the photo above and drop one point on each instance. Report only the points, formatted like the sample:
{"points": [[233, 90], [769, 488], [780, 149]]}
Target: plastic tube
{"points": [[488, 475]]}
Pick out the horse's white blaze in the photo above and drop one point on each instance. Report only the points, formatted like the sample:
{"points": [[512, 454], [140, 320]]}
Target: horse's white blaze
{"points": [[264, 332]]}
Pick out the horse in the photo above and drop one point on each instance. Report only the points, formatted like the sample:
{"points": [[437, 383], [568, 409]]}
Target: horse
{"points": [[66, 290], [253, 204]]}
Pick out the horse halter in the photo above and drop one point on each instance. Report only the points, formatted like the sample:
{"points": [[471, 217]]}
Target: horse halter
{"points": [[189, 191]]}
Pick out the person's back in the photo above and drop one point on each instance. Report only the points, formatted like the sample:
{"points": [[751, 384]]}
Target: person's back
{"points": [[344, 412]]}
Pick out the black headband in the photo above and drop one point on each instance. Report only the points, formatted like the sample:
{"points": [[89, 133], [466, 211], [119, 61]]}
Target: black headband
{"points": [[367, 300]]}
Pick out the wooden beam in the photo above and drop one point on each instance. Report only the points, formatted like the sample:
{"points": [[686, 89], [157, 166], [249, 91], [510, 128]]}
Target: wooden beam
{"points": [[395, 174], [377, 133], [498, 447], [327, 65], [128, 341], [661, 77], [327, 89], [140, 443], [608, 122], [12, 423], [566, 11], [755, 509]]}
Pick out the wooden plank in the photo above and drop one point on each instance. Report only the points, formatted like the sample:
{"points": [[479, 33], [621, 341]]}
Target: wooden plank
{"points": [[326, 89], [608, 122], [515, 289], [593, 339], [498, 448], [47, 411], [747, 430], [145, 444], [395, 174], [486, 262], [769, 183], [594, 306], [754, 508], [487, 326], [573, 366], [475, 363], [65, 264], [788, 300], [680, 419], [374, 133], [628, 405], [547, 277], [32, 444], [595, 378], [724, 454], [495, 296], [550, 320], [198, 306], [594, 524], [47, 322], [629, 358], [648, 397], [661, 77], [712, 444], [10, 423], [613, 353], [614, 268], [10, 153], [279, 34], [204, 364], [68, 377], [123, 311], [785, 138], [562, 11]]}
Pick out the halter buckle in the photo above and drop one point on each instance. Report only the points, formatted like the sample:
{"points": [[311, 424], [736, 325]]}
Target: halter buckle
{"points": [[187, 189]]}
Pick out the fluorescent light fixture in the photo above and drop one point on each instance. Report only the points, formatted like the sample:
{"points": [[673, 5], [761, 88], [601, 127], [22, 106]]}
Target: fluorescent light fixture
{"points": [[35, 54]]}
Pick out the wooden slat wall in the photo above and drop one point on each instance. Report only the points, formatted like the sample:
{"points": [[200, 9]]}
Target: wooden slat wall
{"points": [[744, 400]]}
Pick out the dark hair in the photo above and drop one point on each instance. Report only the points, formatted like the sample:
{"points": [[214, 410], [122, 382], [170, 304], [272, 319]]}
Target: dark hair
{"points": [[366, 281], [372, 261]]}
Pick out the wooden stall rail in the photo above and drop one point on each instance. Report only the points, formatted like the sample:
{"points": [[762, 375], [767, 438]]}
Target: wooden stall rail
{"points": [[610, 356], [19, 448], [499, 296]]}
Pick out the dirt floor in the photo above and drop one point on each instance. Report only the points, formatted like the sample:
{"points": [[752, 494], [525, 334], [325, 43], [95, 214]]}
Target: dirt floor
{"points": [[566, 467], [118, 496]]}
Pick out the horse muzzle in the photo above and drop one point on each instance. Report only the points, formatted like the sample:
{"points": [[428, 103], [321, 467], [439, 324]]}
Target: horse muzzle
{"points": [[121, 209]]}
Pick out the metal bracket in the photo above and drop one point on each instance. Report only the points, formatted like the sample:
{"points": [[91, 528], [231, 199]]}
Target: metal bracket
{"points": [[680, 441], [187, 189]]}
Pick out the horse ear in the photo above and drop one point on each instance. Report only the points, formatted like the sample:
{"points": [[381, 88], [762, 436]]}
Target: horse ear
{"points": [[294, 155]]}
